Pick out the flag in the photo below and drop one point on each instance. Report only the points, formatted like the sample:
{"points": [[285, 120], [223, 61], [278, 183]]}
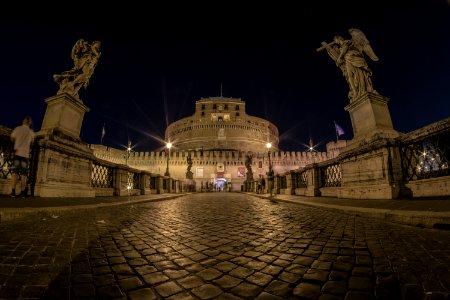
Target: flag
{"points": [[103, 133], [339, 130]]}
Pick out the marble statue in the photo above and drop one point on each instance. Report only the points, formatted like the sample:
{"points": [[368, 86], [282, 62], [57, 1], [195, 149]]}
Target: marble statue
{"points": [[85, 56], [349, 56]]}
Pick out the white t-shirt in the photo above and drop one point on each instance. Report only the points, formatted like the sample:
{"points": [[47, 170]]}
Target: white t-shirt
{"points": [[23, 136]]}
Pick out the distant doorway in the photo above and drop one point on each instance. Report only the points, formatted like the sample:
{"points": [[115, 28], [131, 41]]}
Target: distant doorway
{"points": [[220, 185]]}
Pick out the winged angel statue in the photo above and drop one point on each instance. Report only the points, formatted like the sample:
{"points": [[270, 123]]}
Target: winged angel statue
{"points": [[349, 57], [85, 56]]}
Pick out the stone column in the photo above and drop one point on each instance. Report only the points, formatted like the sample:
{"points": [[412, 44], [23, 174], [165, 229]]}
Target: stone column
{"points": [[290, 183], [313, 183], [144, 183], [121, 184], [169, 185], [159, 185]]}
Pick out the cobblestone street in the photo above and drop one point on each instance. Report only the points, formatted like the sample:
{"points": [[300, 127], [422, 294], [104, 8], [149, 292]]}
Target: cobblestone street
{"points": [[220, 246]]}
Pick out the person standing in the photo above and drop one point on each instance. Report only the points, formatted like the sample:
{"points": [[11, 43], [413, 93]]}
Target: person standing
{"points": [[22, 136]]}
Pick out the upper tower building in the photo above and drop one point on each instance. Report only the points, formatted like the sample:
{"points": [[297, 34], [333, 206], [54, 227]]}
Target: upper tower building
{"points": [[221, 123]]}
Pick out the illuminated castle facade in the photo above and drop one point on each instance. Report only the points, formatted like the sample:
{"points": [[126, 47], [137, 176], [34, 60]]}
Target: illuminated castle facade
{"points": [[219, 137]]}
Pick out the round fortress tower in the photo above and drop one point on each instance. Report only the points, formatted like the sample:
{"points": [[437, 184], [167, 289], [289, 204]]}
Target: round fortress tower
{"points": [[220, 123]]}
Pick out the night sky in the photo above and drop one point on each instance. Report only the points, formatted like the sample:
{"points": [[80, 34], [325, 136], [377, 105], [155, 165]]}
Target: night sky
{"points": [[157, 62]]}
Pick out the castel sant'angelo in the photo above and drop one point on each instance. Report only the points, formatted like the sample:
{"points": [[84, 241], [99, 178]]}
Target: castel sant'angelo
{"points": [[217, 145]]}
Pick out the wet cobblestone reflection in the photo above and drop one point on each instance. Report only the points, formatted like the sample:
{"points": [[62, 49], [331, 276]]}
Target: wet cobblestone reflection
{"points": [[220, 245]]}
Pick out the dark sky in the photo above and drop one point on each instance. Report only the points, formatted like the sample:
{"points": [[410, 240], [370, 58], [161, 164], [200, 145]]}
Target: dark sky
{"points": [[156, 62]]}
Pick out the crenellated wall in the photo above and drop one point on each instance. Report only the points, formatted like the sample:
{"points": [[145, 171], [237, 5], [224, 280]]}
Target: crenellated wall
{"points": [[209, 165]]}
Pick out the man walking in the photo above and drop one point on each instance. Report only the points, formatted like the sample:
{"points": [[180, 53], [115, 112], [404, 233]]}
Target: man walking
{"points": [[22, 137]]}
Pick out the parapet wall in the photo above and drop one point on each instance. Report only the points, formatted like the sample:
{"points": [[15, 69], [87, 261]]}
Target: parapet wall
{"points": [[281, 158], [209, 161]]}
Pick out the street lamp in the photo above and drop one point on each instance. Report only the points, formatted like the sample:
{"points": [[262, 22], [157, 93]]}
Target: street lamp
{"points": [[270, 173], [128, 152], [168, 146]]}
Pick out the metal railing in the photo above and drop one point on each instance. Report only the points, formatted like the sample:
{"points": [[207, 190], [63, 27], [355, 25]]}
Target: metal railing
{"points": [[331, 175], [102, 176], [426, 158], [302, 180], [6, 156]]}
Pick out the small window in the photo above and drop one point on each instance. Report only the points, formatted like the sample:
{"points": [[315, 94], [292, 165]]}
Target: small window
{"points": [[203, 106], [203, 113], [226, 106], [237, 107], [260, 164], [215, 106], [237, 114]]}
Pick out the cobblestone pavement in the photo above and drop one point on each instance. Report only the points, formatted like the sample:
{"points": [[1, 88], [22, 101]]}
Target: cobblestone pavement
{"points": [[220, 246]]}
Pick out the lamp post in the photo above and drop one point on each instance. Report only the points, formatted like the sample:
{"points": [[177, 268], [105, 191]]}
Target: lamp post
{"points": [[168, 146], [128, 152], [270, 173]]}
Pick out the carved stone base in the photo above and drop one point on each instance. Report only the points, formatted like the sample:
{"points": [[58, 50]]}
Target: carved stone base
{"points": [[64, 166], [372, 171], [375, 191], [370, 119], [64, 113]]}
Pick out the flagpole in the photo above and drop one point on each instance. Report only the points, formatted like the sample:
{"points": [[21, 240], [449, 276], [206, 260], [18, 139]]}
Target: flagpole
{"points": [[103, 134], [335, 130]]}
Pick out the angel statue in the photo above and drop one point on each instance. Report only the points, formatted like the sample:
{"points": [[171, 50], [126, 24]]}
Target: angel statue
{"points": [[248, 165], [189, 162], [349, 57], [85, 57]]}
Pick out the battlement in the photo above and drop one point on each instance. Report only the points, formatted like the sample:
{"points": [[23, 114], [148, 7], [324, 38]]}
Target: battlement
{"points": [[199, 156]]}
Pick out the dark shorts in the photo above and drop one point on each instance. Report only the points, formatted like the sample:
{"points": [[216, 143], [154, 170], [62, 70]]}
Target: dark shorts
{"points": [[20, 165]]}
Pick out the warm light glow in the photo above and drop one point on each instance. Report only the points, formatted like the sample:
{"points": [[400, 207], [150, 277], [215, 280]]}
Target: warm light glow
{"points": [[269, 145], [129, 149], [169, 145]]}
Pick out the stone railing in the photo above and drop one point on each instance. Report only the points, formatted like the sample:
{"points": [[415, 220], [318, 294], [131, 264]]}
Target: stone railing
{"points": [[110, 179], [412, 165], [6, 153], [425, 153], [107, 179]]}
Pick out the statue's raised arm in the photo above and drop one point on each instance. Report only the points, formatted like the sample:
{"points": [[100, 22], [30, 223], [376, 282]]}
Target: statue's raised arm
{"points": [[85, 58], [349, 56]]}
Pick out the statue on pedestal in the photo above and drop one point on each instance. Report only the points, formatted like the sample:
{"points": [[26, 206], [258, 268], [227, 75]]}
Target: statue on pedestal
{"points": [[349, 56], [189, 174], [85, 56], [248, 165]]}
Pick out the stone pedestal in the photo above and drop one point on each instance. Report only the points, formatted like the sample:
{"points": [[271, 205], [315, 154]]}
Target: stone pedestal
{"points": [[64, 161], [372, 171], [64, 166], [189, 175], [371, 163], [64, 113], [370, 118]]}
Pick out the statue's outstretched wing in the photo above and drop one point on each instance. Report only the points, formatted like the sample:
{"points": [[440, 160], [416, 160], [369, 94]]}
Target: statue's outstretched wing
{"points": [[362, 43], [77, 52]]}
